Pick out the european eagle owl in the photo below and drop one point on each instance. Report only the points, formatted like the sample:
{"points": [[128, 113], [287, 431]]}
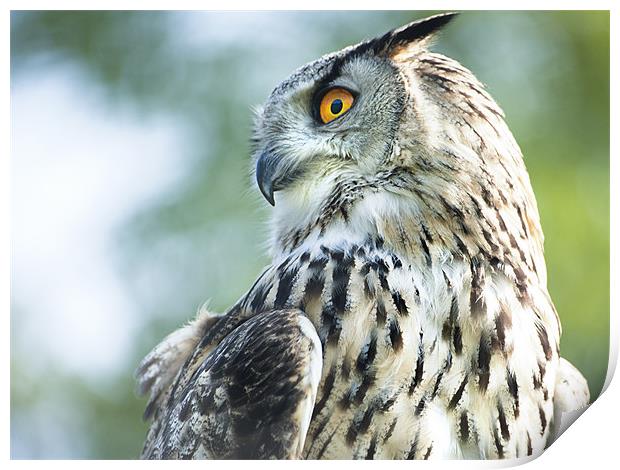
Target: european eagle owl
{"points": [[405, 313]]}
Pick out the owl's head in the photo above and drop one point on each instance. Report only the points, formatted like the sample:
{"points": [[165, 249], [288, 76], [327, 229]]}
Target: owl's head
{"points": [[386, 136]]}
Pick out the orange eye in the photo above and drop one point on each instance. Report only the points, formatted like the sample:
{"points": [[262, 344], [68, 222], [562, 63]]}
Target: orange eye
{"points": [[335, 103]]}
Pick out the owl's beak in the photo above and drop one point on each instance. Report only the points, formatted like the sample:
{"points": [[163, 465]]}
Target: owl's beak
{"points": [[274, 173], [266, 166]]}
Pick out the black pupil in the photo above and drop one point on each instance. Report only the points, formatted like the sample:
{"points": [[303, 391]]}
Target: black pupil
{"points": [[336, 106]]}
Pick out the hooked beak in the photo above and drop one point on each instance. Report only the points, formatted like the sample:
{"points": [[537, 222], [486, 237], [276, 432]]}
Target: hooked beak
{"points": [[266, 168], [274, 173], [265, 174]]}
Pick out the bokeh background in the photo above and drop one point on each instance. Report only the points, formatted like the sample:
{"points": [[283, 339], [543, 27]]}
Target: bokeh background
{"points": [[132, 202]]}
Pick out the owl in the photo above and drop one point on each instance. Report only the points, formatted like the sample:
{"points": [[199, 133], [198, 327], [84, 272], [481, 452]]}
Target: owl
{"points": [[405, 313]]}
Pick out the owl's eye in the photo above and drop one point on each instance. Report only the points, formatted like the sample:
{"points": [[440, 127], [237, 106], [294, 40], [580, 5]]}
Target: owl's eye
{"points": [[335, 103]]}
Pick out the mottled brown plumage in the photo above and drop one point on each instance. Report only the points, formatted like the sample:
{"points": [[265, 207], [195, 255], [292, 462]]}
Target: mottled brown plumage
{"points": [[407, 251]]}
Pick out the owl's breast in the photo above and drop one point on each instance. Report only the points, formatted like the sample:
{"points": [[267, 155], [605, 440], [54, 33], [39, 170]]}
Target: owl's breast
{"points": [[384, 361], [410, 368]]}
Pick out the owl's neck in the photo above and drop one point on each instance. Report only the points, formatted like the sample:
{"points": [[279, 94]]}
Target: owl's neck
{"points": [[419, 229], [367, 213]]}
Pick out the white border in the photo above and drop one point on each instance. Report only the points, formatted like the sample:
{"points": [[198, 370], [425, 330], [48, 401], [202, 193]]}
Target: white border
{"points": [[418, 5], [591, 442]]}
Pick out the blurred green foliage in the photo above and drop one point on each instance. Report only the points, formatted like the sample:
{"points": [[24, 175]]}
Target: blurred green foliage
{"points": [[548, 70]]}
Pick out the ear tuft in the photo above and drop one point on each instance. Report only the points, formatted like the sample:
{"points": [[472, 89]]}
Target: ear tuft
{"points": [[394, 41]]}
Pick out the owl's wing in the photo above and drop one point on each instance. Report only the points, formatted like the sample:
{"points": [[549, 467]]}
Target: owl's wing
{"points": [[251, 397], [571, 398], [160, 367]]}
